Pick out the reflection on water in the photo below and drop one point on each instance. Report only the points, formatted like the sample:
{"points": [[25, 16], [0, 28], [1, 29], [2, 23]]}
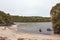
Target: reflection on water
{"points": [[34, 27]]}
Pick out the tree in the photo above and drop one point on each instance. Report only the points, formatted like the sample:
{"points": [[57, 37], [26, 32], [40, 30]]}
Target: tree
{"points": [[55, 16], [1, 20], [8, 19], [5, 19]]}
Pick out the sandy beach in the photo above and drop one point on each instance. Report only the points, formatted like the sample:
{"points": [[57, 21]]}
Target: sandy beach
{"points": [[11, 34]]}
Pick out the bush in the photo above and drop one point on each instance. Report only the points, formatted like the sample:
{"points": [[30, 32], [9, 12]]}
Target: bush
{"points": [[55, 16]]}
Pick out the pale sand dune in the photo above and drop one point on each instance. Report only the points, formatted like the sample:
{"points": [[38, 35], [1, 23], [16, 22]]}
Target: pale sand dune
{"points": [[12, 35]]}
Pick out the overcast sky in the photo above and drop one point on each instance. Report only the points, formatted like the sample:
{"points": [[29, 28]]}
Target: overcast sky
{"points": [[28, 7]]}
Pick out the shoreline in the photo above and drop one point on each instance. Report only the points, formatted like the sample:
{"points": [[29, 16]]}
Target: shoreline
{"points": [[13, 35]]}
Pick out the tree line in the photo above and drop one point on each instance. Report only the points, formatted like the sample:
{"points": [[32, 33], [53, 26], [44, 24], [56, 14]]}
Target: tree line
{"points": [[31, 19]]}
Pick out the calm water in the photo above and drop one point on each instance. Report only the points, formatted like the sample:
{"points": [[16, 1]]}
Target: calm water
{"points": [[35, 26]]}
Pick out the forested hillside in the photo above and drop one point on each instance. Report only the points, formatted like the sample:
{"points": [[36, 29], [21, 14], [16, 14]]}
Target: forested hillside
{"points": [[5, 19], [31, 19]]}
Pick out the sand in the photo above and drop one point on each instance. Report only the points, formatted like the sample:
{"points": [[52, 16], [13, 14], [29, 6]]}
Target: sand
{"points": [[12, 34]]}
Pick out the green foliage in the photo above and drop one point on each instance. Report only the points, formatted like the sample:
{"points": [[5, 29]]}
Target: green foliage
{"points": [[31, 19], [55, 16], [5, 18], [57, 27], [8, 18]]}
